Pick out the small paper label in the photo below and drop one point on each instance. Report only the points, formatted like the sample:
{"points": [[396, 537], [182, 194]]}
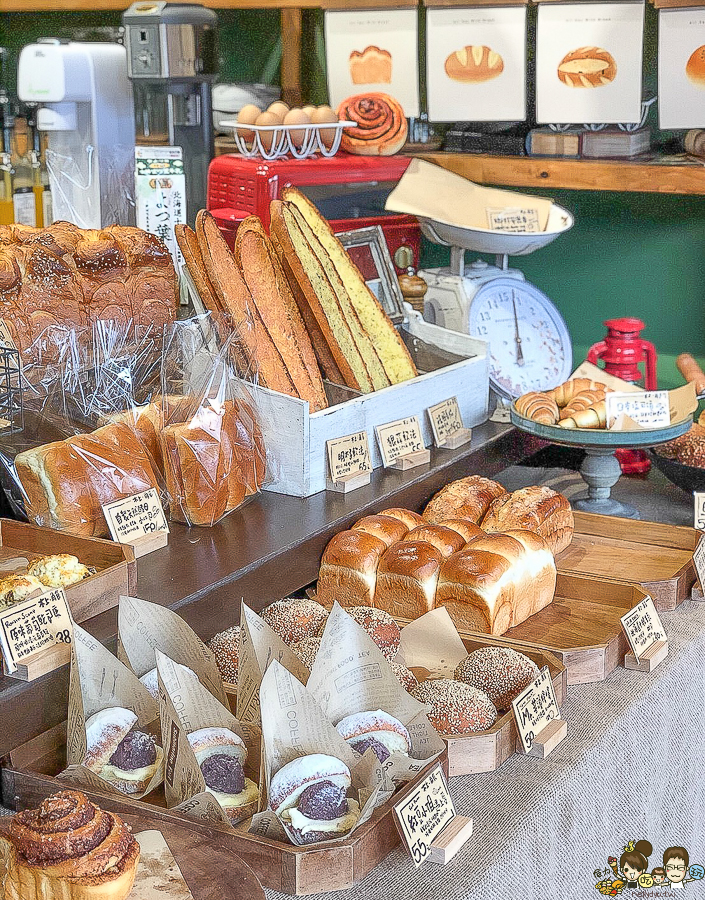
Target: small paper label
{"points": [[650, 409], [349, 455], [6, 336], [699, 510], [135, 517], [161, 193], [501, 414], [446, 420], [643, 627], [518, 220], [423, 814], [699, 562], [534, 708], [33, 625], [399, 438]]}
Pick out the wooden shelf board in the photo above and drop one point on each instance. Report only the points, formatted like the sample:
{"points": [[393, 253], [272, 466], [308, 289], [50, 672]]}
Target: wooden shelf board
{"points": [[574, 174], [9, 6]]}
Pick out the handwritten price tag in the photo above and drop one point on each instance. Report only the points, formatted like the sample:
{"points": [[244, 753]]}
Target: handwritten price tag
{"points": [[446, 420], [699, 562], [650, 409], [643, 627], [349, 455], [698, 510], [534, 708], [514, 220], [399, 438], [33, 625], [135, 517], [422, 815]]}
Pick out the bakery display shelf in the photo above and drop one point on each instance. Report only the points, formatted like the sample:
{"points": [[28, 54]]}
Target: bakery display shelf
{"points": [[643, 176], [582, 626], [264, 551], [659, 558], [7, 6], [197, 852], [282, 867], [116, 569]]}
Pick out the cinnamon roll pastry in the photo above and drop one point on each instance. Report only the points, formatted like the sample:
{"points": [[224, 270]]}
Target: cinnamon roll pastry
{"points": [[120, 753], [69, 849], [381, 128]]}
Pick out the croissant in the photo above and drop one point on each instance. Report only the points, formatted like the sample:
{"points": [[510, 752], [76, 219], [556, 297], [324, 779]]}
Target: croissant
{"points": [[582, 401], [538, 407], [565, 392], [592, 417]]}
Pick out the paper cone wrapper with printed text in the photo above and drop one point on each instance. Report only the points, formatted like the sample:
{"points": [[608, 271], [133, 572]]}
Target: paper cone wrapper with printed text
{"points": [[432, 642], [185, 705], [144, 628], [431, 192], [294, 725], [259, 645], [351, 675], [99, 680]]}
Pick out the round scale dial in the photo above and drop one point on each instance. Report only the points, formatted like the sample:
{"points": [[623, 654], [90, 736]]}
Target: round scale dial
{"points": [[530, 347]]}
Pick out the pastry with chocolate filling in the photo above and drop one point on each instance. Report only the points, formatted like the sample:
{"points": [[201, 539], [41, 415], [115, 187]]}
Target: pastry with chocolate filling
{"points": [[377, 730], [221, 755], [310, 797], [119, 752], [68, 849]]}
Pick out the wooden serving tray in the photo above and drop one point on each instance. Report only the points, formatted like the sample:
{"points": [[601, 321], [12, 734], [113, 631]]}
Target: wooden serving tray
{"points": [[581, 627], [282, 867], [657, 557], [210, 871], [115, 564], [487, 750]]}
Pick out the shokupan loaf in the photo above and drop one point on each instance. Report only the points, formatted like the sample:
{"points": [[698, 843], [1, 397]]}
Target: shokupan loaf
{"points": [[67, 482], [466, 498], [348, 570], [391, 348], [271, 295], [302, 264], [539, 509]]}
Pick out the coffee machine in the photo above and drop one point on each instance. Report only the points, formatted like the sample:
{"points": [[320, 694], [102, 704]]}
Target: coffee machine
{"points": [[85, 105], [172, 62]]}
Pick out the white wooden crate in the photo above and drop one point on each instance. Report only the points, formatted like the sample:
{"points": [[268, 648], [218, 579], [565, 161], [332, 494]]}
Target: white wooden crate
{"points": [[296, 439]]}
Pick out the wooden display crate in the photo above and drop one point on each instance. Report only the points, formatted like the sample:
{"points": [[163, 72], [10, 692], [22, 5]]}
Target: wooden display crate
{"points": [[659, 558], [116, 569], [282, 867]]}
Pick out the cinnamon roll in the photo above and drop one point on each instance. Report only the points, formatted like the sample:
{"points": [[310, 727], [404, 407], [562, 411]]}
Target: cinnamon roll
{"points": [[69, 849], [381, 128]]}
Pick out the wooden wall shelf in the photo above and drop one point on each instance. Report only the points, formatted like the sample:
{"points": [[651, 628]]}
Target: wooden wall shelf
{"points": [[9, 6], [575, 174]]}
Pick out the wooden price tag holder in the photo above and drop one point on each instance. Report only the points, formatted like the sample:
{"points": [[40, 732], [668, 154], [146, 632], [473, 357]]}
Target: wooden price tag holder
{"points": [[427, 822], [401, 444], [349, 465], [43, 619], [646, 636], [699, 563], [139, 521], [538, 717], [38, 664], [447, 426]]}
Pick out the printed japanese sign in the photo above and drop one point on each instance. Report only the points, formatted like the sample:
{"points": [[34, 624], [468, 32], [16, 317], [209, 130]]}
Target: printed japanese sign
{"points": [[534, 708], [424, 813], [681, 68], [370, 50], [476, 64], [135, 516], [349, 455], [399, 438], [161, 193], [33, 625], [643, 627], [589, 62]]}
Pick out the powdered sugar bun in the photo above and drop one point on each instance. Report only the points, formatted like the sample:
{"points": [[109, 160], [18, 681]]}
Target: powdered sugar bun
{"points": [[456, 708], [502, 673], [378, 724], [104, 732], [207, 742], [292, 779], [294, 619]]}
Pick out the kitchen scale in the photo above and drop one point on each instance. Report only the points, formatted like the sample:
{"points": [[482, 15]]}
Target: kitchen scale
{"points": [[530, 348]]}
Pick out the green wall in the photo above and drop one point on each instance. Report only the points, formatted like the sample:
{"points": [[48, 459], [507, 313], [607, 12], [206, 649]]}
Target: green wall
{"points": [[628, 254]]}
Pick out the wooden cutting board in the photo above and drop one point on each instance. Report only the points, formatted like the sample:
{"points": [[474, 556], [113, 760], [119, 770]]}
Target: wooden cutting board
{"points": [[657, 557]]}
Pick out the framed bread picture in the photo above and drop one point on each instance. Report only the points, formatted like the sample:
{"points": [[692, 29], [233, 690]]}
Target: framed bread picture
{"points": [[589, 63], [476, 64], [373, 51], [681, 68], [368, 249]]}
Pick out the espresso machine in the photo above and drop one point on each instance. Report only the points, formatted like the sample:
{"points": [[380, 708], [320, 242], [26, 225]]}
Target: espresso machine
{"points": [[172, 62], [85, 105]]}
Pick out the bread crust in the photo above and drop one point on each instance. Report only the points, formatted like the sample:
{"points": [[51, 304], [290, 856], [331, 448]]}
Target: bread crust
{"points": [[466, 498], [468, 586], [539, 509], [406, 579], [348, 571], [385, 528]]}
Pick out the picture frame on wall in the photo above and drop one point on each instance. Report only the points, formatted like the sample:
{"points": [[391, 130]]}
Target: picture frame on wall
{"points": [[368, 249]]}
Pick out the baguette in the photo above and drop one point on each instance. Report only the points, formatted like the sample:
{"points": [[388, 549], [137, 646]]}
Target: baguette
{"points": [[313, 281], [258, 348], [271, 295], [373, 364], [392, 350], [690, 370]]}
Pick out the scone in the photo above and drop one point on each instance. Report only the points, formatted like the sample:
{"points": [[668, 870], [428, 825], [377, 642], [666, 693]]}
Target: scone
{"points": [[60, 570], [16, 588]]}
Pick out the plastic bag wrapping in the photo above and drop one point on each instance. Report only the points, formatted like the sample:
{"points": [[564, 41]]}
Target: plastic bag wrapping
{"points": [[212, 446]]}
